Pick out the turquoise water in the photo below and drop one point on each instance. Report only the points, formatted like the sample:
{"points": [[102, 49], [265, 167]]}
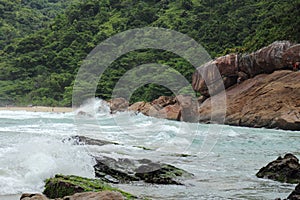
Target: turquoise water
{"points": [[223, 159]]}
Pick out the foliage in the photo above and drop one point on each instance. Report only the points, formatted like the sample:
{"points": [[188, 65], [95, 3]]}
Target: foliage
{"points": [[43, 42]]}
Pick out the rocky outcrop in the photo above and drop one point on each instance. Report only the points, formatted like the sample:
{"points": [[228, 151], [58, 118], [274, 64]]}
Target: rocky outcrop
{"points": [[104, 195], [295, 195], [267, 100], [181, 108], [62, 186], [235, 68], [127, 170], [286, 169]]}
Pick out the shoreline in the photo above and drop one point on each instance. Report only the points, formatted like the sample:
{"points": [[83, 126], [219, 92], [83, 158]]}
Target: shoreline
{"points": [[38, 109]]}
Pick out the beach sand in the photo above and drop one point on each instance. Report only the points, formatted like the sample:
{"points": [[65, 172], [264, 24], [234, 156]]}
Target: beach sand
{"points": [[39, 109]]}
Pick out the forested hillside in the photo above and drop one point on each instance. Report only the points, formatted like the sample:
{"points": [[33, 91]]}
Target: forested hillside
{"points": [[42, 46]]}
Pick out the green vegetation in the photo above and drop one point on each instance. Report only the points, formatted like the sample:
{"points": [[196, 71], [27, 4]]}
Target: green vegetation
{"points": [[61, 186], [42, 43]]}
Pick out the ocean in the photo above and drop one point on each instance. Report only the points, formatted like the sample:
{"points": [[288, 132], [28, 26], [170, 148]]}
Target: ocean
{"points": [[224, 159]]}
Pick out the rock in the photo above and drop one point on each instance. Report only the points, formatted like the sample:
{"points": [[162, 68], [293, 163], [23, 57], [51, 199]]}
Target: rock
{"points": [[180, 108], [163, 101], [160, 173], [267, 100], [295, 195], [265, 60], [78, 140], [236, 68], [118, 105], [163, 107], [33, 197], [286, 169], [61, 186], [142, 107], [104, 195], [209, 74], [126, 171], [291, 55], [120, 170], [188, 108], [171, 112]]}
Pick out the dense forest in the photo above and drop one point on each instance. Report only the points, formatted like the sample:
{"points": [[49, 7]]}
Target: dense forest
{"points": [[43, 42]]}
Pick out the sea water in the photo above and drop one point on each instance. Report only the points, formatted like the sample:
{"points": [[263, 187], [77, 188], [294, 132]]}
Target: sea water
{"points": [[224, 159]]}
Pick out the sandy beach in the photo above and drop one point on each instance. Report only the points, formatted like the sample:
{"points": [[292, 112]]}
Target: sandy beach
{"points": [[39, 109]]}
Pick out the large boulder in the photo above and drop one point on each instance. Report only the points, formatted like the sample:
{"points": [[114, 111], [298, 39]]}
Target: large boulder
{"points": [[127, 170], [267, 100], [207, 78], [234, 68], [286, 169], [265, 60]]}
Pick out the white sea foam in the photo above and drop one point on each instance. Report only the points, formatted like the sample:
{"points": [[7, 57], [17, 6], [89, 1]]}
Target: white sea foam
{"points": [[32, 160]]}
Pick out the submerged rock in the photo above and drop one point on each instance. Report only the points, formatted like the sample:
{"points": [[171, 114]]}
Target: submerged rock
{"points": [[61, 186], [286, 169], [78, 140], [126, 170]]}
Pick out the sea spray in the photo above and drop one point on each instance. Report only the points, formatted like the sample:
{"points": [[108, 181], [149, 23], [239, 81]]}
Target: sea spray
{"points": [[25, 167]]}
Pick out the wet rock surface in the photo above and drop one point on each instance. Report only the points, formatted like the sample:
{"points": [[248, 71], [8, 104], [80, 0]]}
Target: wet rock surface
{"points": [[286, 169], [82, 140], [127, 170]]}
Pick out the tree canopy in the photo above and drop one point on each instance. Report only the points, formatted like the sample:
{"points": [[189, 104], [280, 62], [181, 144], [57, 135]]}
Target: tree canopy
{"points": [[43, 42]]}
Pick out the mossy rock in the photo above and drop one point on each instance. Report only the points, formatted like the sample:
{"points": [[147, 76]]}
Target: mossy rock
{"points": [[61, 186], [161, 174], [127, 170]]}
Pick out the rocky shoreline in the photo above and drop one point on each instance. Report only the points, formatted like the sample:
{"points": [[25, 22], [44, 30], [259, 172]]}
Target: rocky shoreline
{"points": [[262, 90]]}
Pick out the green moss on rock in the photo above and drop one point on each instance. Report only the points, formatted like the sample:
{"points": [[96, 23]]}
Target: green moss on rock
{"points": [[61, 186]]}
